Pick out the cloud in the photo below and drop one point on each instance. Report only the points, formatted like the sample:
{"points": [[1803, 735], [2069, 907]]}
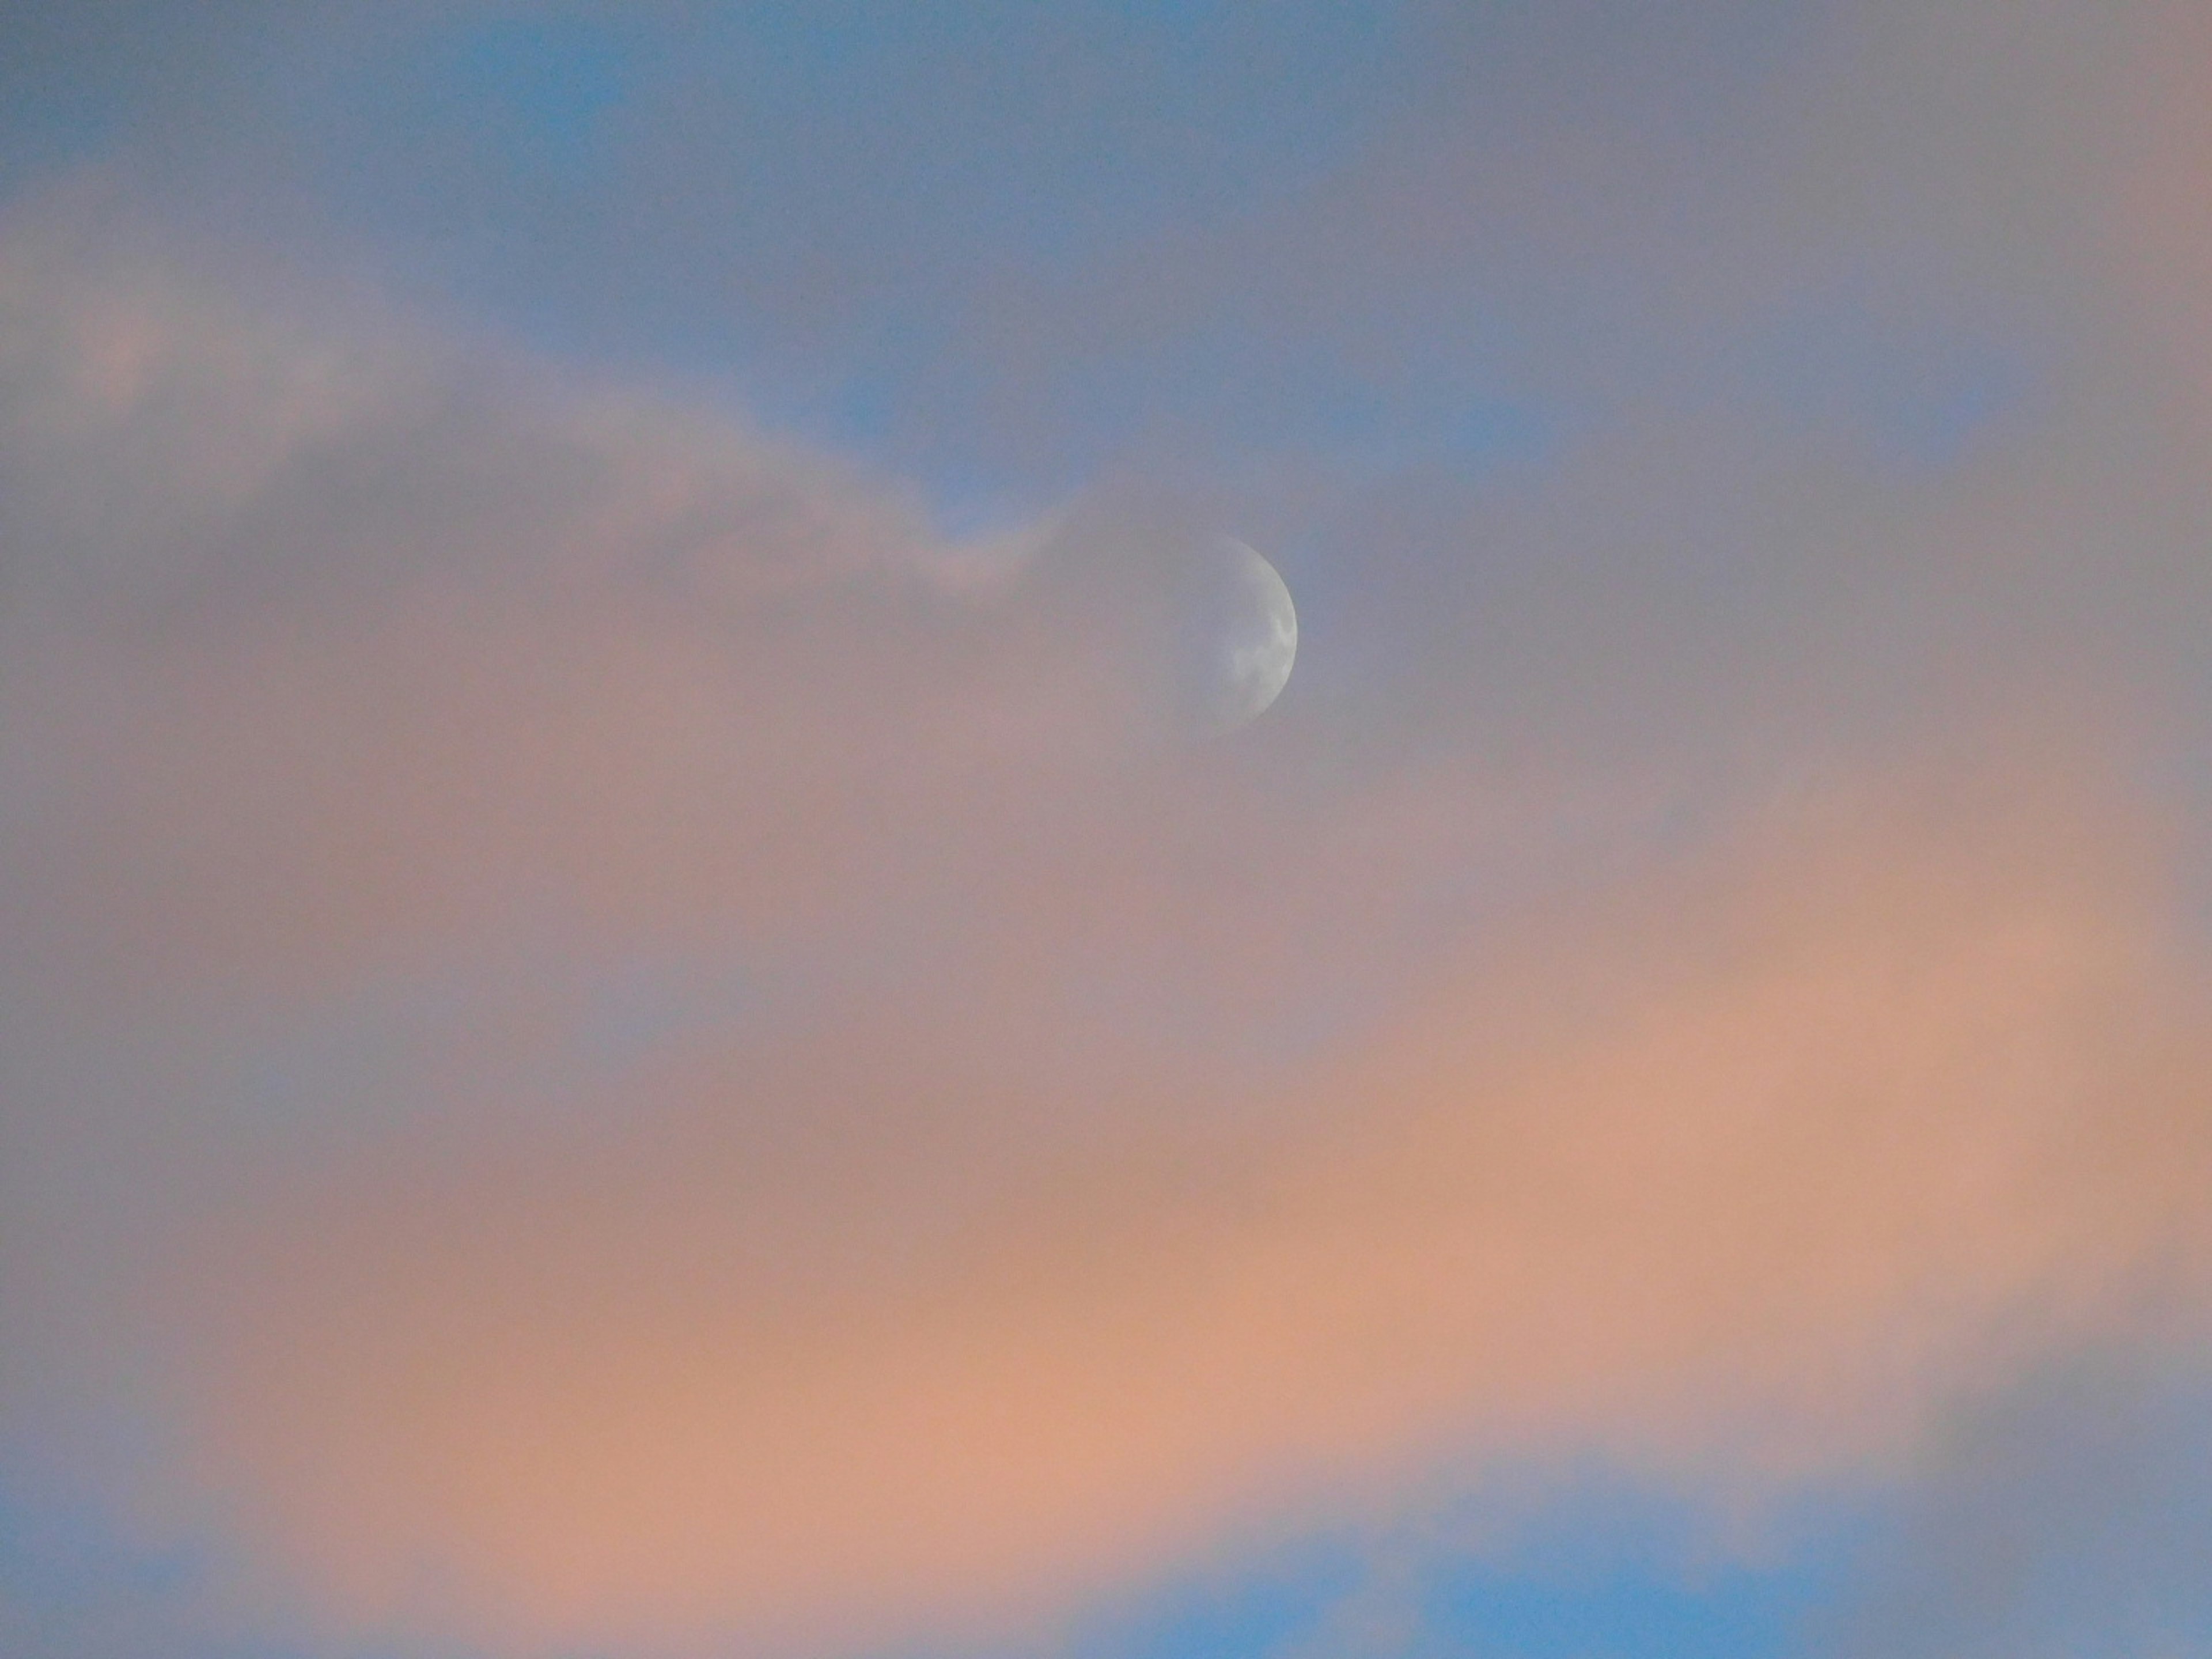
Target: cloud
{"points": [[2065, 1515], [612, 1040], [1071, 1208], [1736, 1185]]}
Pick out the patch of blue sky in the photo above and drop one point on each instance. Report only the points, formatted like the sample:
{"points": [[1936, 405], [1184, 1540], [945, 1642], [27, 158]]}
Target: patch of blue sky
{"points": [[1603, 1570], [1265, 1607], [1933, 422], [60, 1556], [493, 115], [987, 451], [51, 124], [1043, 131], [74, 79], [1473, 432], [1267, 1615], [539, 89], [1606, 1567], [651, 1004], [822, 205], [1643, 1612], [1915, 396], [423, 1042], [71, 1586], [915, 137]]}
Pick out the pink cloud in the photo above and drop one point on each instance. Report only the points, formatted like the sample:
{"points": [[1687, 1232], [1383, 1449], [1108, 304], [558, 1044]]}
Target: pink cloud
{"points": [[1735, 1177], [1142, 1145]]}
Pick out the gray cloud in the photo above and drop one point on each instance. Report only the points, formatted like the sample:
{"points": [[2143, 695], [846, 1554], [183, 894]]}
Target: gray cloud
{"points": [[2069, 1515]]}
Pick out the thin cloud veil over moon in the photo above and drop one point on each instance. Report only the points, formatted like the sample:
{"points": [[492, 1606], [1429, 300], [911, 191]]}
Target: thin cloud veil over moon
{"points": [[1243, 635]]}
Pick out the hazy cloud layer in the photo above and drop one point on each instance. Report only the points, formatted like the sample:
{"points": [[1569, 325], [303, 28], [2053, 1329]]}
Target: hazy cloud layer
{"points": [[610, 1039]]}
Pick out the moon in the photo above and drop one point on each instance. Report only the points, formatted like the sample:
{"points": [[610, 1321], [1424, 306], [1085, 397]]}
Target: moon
{"points": [[1254, 630]]}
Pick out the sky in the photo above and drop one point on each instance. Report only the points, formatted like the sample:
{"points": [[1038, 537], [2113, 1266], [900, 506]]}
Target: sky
{"points": [[635, 1024]]}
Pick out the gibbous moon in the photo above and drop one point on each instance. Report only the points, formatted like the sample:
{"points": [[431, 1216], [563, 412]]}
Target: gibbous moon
{"points": [[1251, 636]]}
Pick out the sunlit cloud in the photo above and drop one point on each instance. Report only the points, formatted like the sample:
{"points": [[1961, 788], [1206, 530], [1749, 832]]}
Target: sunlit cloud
{"points": [[633, 1020]]}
